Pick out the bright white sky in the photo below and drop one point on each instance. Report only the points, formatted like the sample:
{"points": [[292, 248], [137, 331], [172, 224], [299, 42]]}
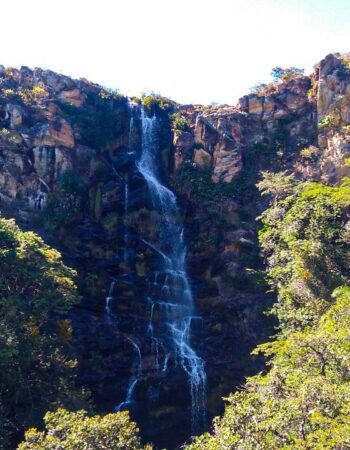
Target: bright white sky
{"points": [[194, 51]]}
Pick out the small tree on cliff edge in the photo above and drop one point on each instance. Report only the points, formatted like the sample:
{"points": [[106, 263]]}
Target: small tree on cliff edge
{"points": [[285, 74]]}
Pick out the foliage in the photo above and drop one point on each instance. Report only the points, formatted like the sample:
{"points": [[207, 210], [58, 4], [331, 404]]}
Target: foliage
{"points": [[37, 365], [309, 152], [328, 121], [179, 123], [345, 59], [154, 102], [311, 93], [303, 402], [8, 92], [9, 138], [263, 89], [28, 95], [77, 431], [285, 74], [305, 244], [33, 94], [276, 184]]}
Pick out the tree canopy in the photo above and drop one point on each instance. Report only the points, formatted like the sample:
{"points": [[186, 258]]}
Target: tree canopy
{"points": [[77, 431], [37, 364], [303, 401]]}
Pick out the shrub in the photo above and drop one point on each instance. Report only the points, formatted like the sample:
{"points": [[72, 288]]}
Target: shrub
{"points": [[327, 122], [153, 101], [345, 59], [311, 93], [109, 93], [285, 74], [309, 152], [77, 431], [305, 243], [179, 123]]}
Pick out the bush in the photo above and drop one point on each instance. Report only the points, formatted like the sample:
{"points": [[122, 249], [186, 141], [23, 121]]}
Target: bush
{"points": [[154, 101], [327, 122], [309, 152], [179, 123], [77, 431], [285, 74]]}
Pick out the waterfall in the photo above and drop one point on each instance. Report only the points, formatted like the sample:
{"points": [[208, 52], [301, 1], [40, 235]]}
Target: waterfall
{"points": [[109, 315], [137, 365], [126, 232], [135, 378], [169, 288]]}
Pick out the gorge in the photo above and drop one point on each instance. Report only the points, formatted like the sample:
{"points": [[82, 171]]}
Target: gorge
{"points": [[155, 206]]}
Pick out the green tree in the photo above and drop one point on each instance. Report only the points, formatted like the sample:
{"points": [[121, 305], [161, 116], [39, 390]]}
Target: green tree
{"points": [[278, 185], [77, 431], [285, 74], [305, 243], [37, 364], [303, 401]]}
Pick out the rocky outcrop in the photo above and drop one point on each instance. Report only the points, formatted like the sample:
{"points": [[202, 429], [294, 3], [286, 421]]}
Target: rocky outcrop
{"points": [[286, 117]]}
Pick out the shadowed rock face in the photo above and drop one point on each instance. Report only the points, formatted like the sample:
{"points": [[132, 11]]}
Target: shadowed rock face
{"points": [[69, 155]]}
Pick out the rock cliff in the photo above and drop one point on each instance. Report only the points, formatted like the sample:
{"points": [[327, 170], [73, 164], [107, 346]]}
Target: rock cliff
{"points": [[68, 169]]}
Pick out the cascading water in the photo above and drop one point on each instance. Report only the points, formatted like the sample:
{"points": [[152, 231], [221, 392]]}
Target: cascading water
{"points": [[126, 233], [135, 378], [109, 315], [169, 289]]}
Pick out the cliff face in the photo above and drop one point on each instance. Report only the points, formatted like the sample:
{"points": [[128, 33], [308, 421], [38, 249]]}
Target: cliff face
{"points": [[68, 169]]}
